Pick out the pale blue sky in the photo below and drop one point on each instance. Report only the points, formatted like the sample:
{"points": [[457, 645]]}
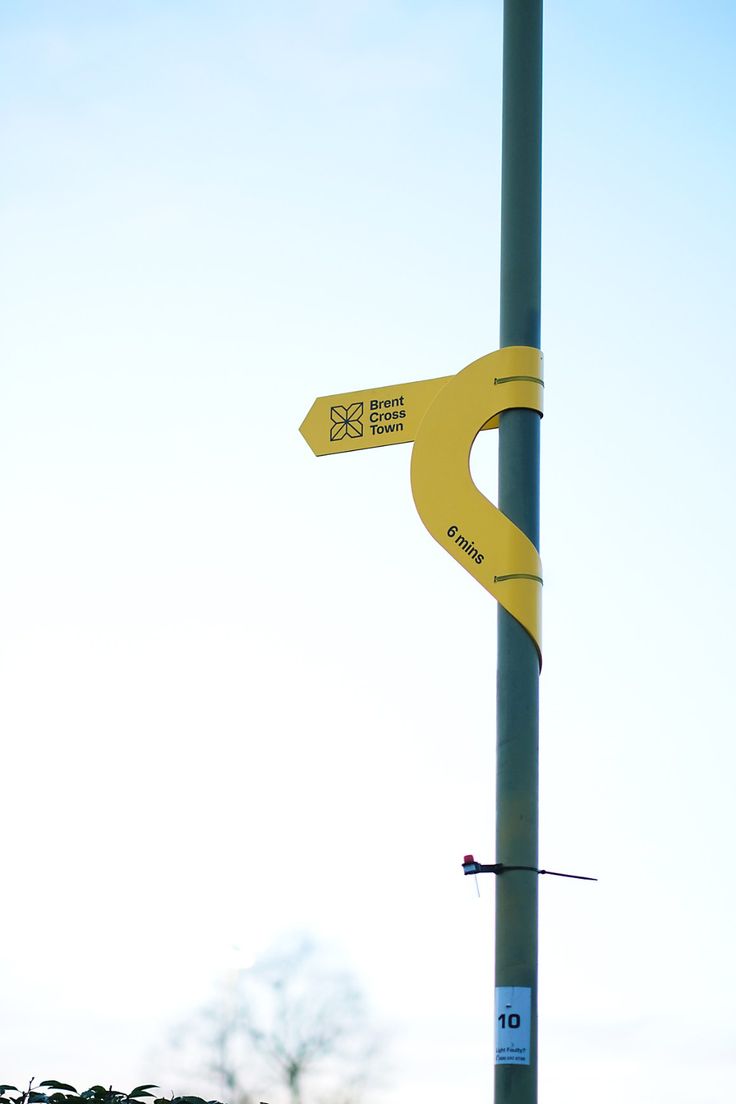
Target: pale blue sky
{"points": [[217, 649]]}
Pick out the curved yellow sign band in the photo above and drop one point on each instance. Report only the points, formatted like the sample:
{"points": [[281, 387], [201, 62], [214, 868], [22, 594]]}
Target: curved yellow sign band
{"points": [[474, 531]]}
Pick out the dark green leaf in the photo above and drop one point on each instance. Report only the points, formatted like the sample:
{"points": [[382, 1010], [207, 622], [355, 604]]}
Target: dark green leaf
{"points": [[140, 1090], [37, 1098], [58, 1085]]}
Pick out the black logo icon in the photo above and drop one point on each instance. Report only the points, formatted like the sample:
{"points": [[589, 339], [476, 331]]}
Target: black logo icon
{"points": [[346, 421]]}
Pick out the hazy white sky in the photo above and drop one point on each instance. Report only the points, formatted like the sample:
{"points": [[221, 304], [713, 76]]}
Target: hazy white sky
{"points": [[243, 691]]}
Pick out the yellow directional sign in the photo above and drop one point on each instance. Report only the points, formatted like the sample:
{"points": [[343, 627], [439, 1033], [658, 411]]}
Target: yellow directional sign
{"points": [[443, 417], [367, 419], [371, 418], [458, 516]]}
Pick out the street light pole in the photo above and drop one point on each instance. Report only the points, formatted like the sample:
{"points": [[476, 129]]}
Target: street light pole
{"points": [[517, 701]]}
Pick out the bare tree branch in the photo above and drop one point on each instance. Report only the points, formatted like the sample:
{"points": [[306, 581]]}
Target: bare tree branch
{"points": [[291, 1028]]}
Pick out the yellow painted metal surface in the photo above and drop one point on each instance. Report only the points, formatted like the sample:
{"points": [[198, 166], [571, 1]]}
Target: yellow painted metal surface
{"points": [[467, 525], [368, 419], [371, 418]]}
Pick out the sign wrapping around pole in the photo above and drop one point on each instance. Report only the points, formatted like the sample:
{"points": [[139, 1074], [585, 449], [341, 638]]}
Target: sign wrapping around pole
{"points": [[459, 517], [444, 416]]}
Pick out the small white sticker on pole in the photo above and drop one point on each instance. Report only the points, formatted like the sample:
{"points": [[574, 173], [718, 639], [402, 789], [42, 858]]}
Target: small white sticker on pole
{"points": [[513, 1025]]}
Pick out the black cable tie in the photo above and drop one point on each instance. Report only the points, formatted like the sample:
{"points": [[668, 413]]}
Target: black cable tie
{"points": [[579, 877], [470, 866]]}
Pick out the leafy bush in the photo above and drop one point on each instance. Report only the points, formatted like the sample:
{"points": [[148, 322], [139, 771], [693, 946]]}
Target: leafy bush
{"points": [[57, 1092]]}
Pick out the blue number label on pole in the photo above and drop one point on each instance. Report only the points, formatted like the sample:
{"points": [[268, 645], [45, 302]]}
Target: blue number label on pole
{"points": [[513, 1025]]}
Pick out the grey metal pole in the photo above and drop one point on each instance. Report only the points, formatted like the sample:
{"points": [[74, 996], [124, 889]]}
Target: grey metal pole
{"points": [[517, 701]]}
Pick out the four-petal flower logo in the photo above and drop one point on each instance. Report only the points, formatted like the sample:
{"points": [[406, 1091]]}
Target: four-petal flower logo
{"points": [[346, 421]]}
